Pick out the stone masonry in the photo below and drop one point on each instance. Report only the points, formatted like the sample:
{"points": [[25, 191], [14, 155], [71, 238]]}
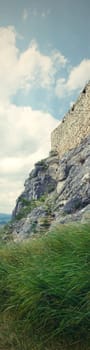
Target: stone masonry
{"points": [[75, 126]]}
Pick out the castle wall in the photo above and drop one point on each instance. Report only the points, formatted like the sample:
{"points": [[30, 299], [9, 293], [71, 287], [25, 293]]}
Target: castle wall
{"points": [[75, 125]]}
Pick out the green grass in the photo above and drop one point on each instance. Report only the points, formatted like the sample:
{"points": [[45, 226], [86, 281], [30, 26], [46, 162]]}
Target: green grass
{"points": [[28, 206], [44, 291]]}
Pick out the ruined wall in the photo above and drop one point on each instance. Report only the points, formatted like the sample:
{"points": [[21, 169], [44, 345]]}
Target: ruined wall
{"points": [[75, 125]]}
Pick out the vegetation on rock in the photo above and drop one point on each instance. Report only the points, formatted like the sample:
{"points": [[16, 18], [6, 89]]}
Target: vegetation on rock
{"points": [[56, 187], [28, 206]]}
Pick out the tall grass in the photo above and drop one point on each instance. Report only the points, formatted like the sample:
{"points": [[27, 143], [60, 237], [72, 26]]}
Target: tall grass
{"points": [[44, 291]]}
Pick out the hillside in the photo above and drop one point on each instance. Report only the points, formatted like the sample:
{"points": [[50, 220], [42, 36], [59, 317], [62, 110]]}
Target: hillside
{"points": [[56, 191]]}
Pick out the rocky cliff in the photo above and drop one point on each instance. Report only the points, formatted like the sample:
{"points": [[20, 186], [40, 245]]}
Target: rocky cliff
{"points": [[56, 191]]}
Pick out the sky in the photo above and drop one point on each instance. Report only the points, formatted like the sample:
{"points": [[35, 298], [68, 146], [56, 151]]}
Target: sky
{"points": [[44, 64]]}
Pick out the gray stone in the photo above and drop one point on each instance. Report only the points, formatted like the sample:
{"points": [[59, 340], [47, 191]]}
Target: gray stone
{"points": [[72, 205], [60, 186], [65, 185]]}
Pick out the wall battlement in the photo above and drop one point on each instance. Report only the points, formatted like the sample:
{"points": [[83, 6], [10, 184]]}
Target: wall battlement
{"points": [[74, 126]]}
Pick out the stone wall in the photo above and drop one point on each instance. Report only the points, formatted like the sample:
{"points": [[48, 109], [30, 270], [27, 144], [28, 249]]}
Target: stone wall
{"points": [[75, 125]]}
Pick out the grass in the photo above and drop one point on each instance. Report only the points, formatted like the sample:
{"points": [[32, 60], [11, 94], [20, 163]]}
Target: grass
{"points": [[44, 291], [28, 206]]}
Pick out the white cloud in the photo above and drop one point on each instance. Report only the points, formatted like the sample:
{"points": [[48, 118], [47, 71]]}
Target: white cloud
{"points": [[27, 69], [24, 132], [34, 67], [25, 14], [43, 14], [8, 62], [60, 87], [24, 139], [21, 130], [78, 77], [9, 191], [59, 59]]}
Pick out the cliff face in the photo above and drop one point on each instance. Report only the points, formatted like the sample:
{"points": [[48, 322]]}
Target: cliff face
{"points": [[56, 191]]}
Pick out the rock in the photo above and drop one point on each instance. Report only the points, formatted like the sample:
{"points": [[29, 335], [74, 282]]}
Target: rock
{"points": [[42, 180], [60, 187], [62, 170], [85, 214], [56, 191], [39, 219], [82, 216], [77, 182], [72, 205]]}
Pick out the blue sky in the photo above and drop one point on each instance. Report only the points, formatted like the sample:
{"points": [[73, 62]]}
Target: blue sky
{"points": [[44, 64]]}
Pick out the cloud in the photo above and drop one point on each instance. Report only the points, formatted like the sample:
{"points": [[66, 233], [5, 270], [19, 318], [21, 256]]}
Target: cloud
{"points": [[9, 191], [24, 139], [78, 77], [21, 130], [61, 87], [8, 62], [59, 59], [43, 14], [24, 132], [23, 71], [25, 14]]}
